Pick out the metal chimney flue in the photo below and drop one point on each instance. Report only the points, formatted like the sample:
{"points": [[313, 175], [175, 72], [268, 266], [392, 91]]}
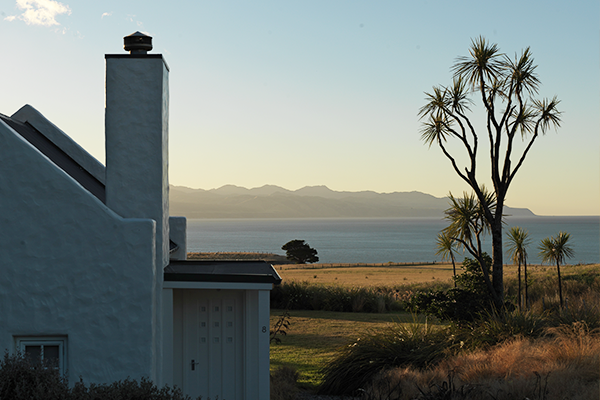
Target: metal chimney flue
{"points": [[137, 43]]}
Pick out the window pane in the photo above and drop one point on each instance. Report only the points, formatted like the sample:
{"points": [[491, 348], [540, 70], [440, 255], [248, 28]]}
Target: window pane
{"points": [[51, 355], [33, 353]]}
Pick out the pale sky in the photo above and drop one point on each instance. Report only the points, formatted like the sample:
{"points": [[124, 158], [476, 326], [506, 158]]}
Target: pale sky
{"points": [[314, 92]]}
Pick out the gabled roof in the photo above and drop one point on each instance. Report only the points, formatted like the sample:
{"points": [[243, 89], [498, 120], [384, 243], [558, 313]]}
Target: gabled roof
{"points": [[59, 148]]}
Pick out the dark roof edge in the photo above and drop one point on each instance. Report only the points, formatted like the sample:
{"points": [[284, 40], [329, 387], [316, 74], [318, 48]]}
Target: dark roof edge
{"points": [[106, 56], [58, 157], [222, 278], [29, 115]]}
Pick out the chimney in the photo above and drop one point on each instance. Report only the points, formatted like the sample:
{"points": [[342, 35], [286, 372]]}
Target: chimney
{"points": [[136, 125]]}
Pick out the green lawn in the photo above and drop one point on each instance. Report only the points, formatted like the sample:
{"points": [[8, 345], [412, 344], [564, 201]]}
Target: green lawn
{"points": [[314, 336]]}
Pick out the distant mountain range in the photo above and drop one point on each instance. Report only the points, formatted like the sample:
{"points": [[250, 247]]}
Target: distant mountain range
{"points": [[270, 201]]}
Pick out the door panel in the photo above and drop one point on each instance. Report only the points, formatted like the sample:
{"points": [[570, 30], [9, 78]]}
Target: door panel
{"points": [[213, 343]]}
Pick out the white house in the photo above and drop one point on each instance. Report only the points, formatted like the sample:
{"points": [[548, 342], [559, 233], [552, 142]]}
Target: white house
{"points": [[94, 275]]}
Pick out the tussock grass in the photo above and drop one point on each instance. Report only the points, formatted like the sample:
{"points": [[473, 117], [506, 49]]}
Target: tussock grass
{"points": [[514, 347], [283, 383], [563, 365], [415, 344]]}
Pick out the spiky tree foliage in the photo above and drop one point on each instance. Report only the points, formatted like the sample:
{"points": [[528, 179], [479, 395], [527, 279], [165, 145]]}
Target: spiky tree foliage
{"points": [[556, 249], [468, 225], [518, 240], [446, 247], [506, 87]]}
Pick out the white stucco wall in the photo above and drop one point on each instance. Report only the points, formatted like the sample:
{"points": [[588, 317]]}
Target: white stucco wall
{"points": [[137, 171], [136, 123], [74, 268]]}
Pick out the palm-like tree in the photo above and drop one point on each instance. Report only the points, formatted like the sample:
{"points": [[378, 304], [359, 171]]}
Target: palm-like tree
{"points": [[446, 247], [556, 249], [518, 240], [467, 225], [507, 88]]}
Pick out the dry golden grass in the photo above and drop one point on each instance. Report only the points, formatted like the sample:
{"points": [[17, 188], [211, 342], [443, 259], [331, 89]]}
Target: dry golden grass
{"points": [[356, 275], [566, 366], [393, 274]]}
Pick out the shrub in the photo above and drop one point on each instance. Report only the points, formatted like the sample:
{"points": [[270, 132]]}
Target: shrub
{"points": [[127, 389], [306, 296], [24, 379], [495, 327], [464, 303], [283, 383]]}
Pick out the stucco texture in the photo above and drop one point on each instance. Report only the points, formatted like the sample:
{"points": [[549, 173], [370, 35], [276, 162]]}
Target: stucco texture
{"points": [[74, 268]]}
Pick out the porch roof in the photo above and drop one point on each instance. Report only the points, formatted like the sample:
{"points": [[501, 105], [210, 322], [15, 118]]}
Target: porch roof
{"points": [[221, 271]]}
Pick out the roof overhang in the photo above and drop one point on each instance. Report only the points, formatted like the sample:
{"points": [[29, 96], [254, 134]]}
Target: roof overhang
{"points": [[201, 274]]}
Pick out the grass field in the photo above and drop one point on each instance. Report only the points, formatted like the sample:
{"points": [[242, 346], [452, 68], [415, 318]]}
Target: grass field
{"points": [[400, 274], [365, 275], [315, 337]]}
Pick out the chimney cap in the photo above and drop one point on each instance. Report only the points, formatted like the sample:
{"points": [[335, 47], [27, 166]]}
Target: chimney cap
{"points": [[137, 43]]}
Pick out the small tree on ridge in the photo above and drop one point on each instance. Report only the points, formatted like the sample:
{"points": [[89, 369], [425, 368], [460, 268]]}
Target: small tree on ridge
{"points": [[300, 252]]}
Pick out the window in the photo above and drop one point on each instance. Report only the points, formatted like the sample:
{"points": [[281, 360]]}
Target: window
{"points": [[51, 350]]}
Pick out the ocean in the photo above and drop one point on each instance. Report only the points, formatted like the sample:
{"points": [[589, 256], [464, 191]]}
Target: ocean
{"points": [[377, 240]]}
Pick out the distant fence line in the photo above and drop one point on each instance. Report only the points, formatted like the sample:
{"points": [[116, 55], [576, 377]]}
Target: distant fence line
{"points": [[234, 252], [354, 265]]}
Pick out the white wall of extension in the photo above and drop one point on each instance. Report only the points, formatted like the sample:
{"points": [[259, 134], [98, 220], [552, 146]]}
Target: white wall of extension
{"points": [[73, 268]]}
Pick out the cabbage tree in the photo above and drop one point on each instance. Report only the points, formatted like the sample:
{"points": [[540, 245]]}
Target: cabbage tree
{"points": [[518, 240], [506, 87], [556, 249]]}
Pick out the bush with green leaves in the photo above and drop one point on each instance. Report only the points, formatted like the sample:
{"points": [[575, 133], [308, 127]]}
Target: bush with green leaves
{"points": [[464, 303]]}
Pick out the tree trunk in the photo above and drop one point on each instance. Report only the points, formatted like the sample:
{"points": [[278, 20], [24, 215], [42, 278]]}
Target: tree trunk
{"points": [[519, 272], [526, 284], [453, 268], [498, 266], [560, 296]]}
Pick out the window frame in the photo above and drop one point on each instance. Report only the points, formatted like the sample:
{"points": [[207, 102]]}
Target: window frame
{"points": [[61, 341]]}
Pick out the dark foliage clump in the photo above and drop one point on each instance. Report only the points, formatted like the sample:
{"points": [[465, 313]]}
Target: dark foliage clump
{"points": [[305, 296], [464, 303], [300, 252], [416, 345], [24, 379], [21, 378]]}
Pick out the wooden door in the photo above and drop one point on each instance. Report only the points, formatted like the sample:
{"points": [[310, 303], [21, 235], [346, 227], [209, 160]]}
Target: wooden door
{"points": [[213, 344]]}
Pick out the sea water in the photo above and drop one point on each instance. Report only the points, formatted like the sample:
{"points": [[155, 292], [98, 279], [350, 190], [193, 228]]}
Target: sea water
{"points": [[378, 240]]}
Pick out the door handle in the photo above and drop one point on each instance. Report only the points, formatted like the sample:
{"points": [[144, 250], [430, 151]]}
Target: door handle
{"points": [[194, 364]]}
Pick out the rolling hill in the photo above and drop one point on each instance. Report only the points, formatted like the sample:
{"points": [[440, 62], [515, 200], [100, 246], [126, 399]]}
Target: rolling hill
{"points": [[270, 201]]}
